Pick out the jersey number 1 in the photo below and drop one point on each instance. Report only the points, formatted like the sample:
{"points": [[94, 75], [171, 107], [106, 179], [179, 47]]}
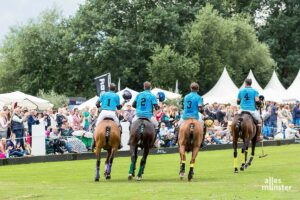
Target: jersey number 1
{"points": [[108, 103]]}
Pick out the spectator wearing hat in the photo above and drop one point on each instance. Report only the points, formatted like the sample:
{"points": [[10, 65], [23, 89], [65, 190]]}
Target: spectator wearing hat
{"points": [[129, 113]]}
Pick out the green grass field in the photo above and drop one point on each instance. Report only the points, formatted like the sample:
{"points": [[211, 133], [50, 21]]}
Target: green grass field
{"points": [[214, 178]]}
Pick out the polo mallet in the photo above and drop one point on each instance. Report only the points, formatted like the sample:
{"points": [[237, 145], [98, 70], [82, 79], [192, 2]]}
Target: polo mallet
{"points": [[261, 98]]}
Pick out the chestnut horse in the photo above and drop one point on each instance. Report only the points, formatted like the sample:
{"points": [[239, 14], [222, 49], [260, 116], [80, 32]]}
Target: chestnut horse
{"points": [[142, 134], [243, 127], [191, 133], [107, 136]]}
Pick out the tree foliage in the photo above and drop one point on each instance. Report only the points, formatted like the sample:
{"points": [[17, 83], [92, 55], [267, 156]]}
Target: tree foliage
{"points": [[156, 40]]}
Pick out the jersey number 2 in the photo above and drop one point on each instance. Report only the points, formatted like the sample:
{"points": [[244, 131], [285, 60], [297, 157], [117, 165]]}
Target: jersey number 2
{"points": [[143, 102]]}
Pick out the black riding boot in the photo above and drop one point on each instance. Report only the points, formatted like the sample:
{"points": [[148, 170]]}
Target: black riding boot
{"points": [[203, 139], [176, 133], [120, 145]]}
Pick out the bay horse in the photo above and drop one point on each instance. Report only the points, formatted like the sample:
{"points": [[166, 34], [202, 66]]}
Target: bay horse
{"points": [[191, 133], [142, 134], [107, 136], [243, 126]]}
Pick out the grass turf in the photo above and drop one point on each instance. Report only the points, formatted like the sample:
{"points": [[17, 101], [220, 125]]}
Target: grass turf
{"points": [[214, 178]]}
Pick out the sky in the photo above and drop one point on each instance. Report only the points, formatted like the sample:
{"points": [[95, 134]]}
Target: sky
{"points": [[16, 12]]}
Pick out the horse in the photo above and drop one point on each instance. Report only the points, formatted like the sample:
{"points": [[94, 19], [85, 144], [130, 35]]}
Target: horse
{"points": [[243, 126], [191, 133], [142, 134], [107, 136]]}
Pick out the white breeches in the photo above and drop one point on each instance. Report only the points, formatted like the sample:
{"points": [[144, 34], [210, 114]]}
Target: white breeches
{"points": [[107, 114]]}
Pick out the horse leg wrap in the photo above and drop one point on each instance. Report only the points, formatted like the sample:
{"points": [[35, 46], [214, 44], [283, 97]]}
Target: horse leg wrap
{"points": [[97, 170], [243, 158], [235, 162], [182, 167], [191, 173], [131, 168]]}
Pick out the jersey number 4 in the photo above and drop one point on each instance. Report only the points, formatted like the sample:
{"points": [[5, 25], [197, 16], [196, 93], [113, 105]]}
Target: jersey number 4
{"points": [[246, 97]]}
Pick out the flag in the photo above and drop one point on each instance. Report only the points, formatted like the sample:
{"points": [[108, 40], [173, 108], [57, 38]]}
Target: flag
{"points": [[102, 83]]}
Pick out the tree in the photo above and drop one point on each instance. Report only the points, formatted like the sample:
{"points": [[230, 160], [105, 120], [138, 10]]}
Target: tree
{"points": [[282, 33], [168, 66], [58, 100], [217, 42]]}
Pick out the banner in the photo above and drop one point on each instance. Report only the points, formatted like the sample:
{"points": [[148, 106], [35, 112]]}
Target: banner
{"points": [[102, 83]]}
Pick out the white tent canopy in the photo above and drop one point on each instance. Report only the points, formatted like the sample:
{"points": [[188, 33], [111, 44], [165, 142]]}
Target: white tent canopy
{"points": [[224, 91], [24, 100], [89, 103], [293, 92], [255, 84], [274, 91], [92, 102], [169, 95]]}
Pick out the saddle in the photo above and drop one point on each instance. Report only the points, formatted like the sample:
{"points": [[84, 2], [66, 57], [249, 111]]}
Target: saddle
{"points": [[248, 113], [144, 118], [108, 118]]}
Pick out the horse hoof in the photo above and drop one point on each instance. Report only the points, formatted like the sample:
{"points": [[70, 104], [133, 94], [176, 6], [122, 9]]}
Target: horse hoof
{"points": [[107, 177], [242, 168], [181, 175], [236, 170], [96, 179], [190, 179], [130, 177], [139, 178]]}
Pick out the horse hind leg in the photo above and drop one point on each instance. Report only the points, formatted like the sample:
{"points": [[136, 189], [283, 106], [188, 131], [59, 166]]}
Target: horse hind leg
{"points": [[192, 163], [253, 144], [133, 151], [110, 162], [182, 161], [98, 157], [143, 163], [235, 159]]}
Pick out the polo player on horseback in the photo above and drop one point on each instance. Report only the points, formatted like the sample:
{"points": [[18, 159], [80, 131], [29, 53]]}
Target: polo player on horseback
{"points": [[110, 103], [248, 100], [193, 104], [144, 103]]}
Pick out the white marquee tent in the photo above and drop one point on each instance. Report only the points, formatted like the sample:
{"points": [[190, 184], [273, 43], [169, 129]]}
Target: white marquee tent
{"points": [[274, 91], [293, 92], [169, 95], [224, 91], [24, 100], [255, 84]]}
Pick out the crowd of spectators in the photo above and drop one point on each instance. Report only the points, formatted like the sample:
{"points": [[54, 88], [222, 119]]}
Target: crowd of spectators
{"points": [[66, 128]]}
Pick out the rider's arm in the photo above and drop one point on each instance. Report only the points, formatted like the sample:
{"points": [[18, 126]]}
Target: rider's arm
{"points": [[134, 104], [201, 109], [156, 107]]}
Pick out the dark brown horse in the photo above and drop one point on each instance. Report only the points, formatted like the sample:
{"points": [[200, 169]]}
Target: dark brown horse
{"points": [[189, 139], [107, 136], [243, 127], [142, 134]]}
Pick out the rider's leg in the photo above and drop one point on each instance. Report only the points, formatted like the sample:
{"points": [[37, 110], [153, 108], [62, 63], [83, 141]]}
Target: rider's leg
{"points": [[155, 123], [176, 132], [259, 124], [204, 132]]}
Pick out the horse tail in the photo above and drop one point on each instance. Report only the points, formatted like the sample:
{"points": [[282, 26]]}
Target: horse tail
{"points": [[238, 126], [141, 133], [107, 134], [191, 134]]}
